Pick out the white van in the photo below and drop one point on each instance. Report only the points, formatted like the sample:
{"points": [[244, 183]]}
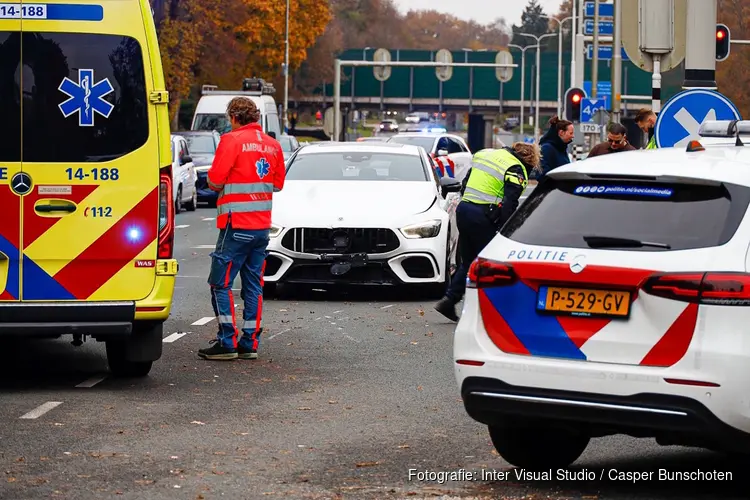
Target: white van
{"points": [[211, 112]]}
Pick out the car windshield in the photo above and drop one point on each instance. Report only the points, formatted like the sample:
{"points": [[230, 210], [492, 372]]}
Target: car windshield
{"points": [[594, 214], [201, 144], [414, 140], [286, 144], [356, 166], [213, 121]]}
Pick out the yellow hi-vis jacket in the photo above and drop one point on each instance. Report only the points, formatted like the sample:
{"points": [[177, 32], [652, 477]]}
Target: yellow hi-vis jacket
{"points": [[490, 170]]}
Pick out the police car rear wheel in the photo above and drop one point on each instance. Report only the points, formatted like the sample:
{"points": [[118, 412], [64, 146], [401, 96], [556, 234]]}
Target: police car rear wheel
{"points": [[193, 203], [538, 447], [178, 201]]}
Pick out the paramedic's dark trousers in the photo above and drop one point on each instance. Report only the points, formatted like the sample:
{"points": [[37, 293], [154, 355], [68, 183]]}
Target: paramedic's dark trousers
{"points": [[475, 231], [243, 252]]}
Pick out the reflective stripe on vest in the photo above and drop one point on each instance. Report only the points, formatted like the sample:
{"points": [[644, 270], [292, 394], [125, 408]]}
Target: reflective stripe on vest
{"points": [[652, 143], [248, 188], [487, 180], [245, 206]]}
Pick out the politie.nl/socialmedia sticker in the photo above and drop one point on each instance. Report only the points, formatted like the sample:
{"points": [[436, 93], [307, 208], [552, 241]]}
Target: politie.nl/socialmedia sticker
{"points": [[625, 190]]}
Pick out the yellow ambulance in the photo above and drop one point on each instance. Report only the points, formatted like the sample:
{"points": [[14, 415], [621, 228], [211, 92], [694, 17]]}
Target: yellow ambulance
{"points": [[87, 226]]}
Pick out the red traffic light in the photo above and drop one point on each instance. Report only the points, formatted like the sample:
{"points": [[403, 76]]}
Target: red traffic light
{"points": [[720, 34], [576, 98]]}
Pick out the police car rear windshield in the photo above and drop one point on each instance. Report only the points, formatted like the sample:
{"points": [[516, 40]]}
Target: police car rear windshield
{"points": [[678, 216], [415, 140], [356, 166]]}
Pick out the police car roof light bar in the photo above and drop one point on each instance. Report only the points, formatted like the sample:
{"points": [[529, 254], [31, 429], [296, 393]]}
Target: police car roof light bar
{"points": [[724, 128]]}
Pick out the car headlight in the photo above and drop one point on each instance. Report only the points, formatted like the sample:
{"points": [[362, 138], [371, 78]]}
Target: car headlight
{"points": [[275, 231], [429, 229]]}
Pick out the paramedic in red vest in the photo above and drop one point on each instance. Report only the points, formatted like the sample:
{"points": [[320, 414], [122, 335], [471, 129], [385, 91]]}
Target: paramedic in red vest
{"points": [[247, 169]]}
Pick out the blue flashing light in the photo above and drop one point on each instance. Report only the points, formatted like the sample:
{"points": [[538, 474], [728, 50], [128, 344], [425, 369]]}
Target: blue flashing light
{"points": [[134, 234]]}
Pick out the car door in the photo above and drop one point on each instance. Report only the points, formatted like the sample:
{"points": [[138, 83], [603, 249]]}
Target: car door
{"points": [[90, 152], [189, 173], [10, 158], [448, 203], [459, 154]]}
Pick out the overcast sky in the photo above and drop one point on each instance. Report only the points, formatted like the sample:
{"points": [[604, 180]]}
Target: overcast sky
{"points": [[482, 11]]}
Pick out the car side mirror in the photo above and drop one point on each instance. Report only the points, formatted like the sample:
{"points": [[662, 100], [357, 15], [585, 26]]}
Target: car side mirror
{"points": [[272, 135], [449, 185], [442, 152], [186, 160]]}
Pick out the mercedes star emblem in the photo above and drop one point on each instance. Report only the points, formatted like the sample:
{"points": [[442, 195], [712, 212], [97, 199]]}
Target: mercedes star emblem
{"points": [[340, 219], [578, 264], [21, 183]]}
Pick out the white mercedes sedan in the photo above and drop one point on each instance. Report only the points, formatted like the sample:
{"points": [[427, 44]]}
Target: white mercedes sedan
{"points": [[363, 214]]}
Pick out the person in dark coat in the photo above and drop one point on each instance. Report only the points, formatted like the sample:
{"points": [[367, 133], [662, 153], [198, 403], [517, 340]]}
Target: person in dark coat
{"points": [[554, 144]]}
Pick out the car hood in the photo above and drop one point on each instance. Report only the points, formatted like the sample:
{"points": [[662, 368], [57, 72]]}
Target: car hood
{"points": [[351, 203], [203, 160]]}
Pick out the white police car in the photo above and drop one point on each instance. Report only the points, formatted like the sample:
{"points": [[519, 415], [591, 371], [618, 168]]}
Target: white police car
{"points": [[616, 300]]}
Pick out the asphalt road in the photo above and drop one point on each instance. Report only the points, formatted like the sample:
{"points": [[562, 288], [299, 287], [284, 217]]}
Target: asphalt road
{"points": [[352, 390]]}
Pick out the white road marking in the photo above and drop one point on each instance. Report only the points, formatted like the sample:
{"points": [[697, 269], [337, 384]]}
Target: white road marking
{"points": [[204, 321], [279, 333], [41, 410], [202, 247], [174, 336], [182, 226], [387, 307], [208, 218], [336, 312], [92, 381]]}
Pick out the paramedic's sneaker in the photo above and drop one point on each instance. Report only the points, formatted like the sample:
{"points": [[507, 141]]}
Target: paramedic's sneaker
{"points": [[247, 353], [217, 352]]}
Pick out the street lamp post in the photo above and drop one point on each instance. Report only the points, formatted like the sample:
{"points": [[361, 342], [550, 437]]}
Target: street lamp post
{"points": [[523, 78], [559, 59], [286, 72], [538, 73]]}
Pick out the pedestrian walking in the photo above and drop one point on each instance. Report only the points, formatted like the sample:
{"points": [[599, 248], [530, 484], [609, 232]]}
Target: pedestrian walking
{"points": [[491, 193], [617, 141], [646, 121], [554, 144], [247, 169]]}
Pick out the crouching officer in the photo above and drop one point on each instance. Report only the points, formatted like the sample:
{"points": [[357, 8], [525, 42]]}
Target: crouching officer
{"points": [[491, 193]]}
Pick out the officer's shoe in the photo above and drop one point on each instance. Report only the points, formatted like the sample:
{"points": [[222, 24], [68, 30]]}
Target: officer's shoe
{"points": [[447, 308], [218, 352]]}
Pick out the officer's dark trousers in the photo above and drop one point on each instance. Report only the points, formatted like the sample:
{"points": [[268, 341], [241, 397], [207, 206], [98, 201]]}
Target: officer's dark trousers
{"points": [[475, 231]]}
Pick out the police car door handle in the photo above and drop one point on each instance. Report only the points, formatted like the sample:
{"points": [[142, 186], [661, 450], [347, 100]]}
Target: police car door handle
{"points": [[55, 206]]}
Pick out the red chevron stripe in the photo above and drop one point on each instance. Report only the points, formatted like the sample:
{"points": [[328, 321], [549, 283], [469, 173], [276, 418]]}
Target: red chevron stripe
{"points": [[96, 265], [10, 227], [5, 296], [35, 225]]}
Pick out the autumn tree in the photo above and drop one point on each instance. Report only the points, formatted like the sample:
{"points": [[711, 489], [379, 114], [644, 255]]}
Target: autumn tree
{"points": [[222, 42], [533, 22]]}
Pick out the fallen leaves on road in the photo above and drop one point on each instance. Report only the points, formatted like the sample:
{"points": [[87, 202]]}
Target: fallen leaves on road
{"points": [[428, 334], [11, 479], [332, 402], [403, 446], [304, 408], [367, 464], [419, 387], [421, 312], [414, 343], [389, 328], [197, 422]]}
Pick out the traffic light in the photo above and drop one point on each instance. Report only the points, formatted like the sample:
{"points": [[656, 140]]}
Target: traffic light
{"points": [[573, 99], [723, 42]]}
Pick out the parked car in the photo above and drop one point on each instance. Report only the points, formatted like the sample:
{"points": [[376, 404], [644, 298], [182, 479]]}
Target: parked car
{"points": [[388, 126], [202, 145], [184, 189], [381, 217], [289, 144], [441, 146]]}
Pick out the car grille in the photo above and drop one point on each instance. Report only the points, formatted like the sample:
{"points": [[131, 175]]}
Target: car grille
{"points": [[340, 240]]}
